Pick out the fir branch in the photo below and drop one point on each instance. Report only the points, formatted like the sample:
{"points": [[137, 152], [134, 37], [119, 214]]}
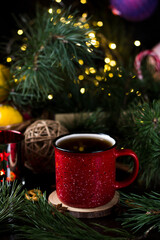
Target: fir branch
{"points": [[55, 43], [141, 129], [143, 212], [11, 201], [44, 222]]}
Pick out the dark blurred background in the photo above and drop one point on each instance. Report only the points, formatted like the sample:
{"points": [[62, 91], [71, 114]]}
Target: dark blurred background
{"points": [[147, 31]]}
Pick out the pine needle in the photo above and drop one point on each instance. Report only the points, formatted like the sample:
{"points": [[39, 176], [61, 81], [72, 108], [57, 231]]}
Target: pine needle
{"points": [[54, 44], [143, 212], [11, 201], [44, 222]]}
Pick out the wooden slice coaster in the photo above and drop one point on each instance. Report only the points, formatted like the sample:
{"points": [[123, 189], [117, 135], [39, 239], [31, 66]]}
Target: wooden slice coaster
{"points": [[86, 212]]}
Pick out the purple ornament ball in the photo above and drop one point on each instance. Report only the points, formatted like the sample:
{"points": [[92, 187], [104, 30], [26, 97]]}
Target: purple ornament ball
{"points": [[133, 10]]}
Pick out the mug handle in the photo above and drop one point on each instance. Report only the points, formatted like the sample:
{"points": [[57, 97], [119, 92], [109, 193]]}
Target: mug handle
{"points": [[128, 181]]}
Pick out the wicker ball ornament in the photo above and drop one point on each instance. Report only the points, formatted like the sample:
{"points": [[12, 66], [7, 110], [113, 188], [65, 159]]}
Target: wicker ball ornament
{"points": [[38, 145]]}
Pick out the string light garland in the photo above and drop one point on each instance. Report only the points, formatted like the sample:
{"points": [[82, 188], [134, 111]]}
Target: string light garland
{"points": [[83, 1], [112, 46], [9, 59], [20, 32], [137, 43], [82, 45]]}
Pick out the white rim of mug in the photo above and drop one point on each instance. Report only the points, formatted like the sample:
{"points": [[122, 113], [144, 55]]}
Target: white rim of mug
{"points": [[108, 137]]}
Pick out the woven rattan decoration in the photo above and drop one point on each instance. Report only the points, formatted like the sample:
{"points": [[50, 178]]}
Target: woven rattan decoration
{"points": [[38, 144]]}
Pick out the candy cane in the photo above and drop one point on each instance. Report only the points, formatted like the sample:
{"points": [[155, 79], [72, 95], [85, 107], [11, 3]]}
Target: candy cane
{"points": [[140, 57]]}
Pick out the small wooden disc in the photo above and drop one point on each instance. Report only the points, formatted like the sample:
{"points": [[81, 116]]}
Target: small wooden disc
{"points": [[86, 212]]}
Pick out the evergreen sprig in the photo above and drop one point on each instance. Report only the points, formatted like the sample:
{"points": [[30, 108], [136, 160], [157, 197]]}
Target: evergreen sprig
{"points": [[143, 211], [53, 43], [44, 222], [11, 203], [141, 129]]}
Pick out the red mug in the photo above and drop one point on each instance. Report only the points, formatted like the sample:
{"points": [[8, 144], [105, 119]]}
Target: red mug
{"points": [[85, 165]]}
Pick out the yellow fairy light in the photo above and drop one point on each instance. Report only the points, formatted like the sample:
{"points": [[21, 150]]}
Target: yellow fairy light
{"points": [[81, 62], [88, 44], [107, 60], [110, 75], [58, 1], [94, 23], [112, 46], [92, 70], [138, 93], [109, 94], [59, 11], [80, 77], [91, 34], [107, 67], [89, 50], [112, 63], [137, 43], [97, 44], [119, 75], [15, 80], [99, 23], [50, 96], [84, 15], [9, 59], [83, 1], [77, 24], [132, 90], [96, 83], [24, 47], [81, 26], [20, 32], [82, 90], [67, 22], [102, 89], [99, 78], [50, 10], [62, 19], [86, 25], [93, 41], [87, 71], [141, 121]]}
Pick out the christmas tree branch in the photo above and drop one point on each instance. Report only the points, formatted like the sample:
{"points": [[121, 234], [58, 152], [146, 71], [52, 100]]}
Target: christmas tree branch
{"points": [[52, 45], [143, 212], [141, 129], [43, 221], [11, 202]]}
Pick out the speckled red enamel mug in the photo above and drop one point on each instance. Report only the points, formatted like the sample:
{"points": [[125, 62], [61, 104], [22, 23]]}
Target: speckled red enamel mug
{"points": [[86, 171]]}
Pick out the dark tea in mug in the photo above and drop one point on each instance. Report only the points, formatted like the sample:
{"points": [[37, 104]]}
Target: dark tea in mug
{"points": [[85, 144]]}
